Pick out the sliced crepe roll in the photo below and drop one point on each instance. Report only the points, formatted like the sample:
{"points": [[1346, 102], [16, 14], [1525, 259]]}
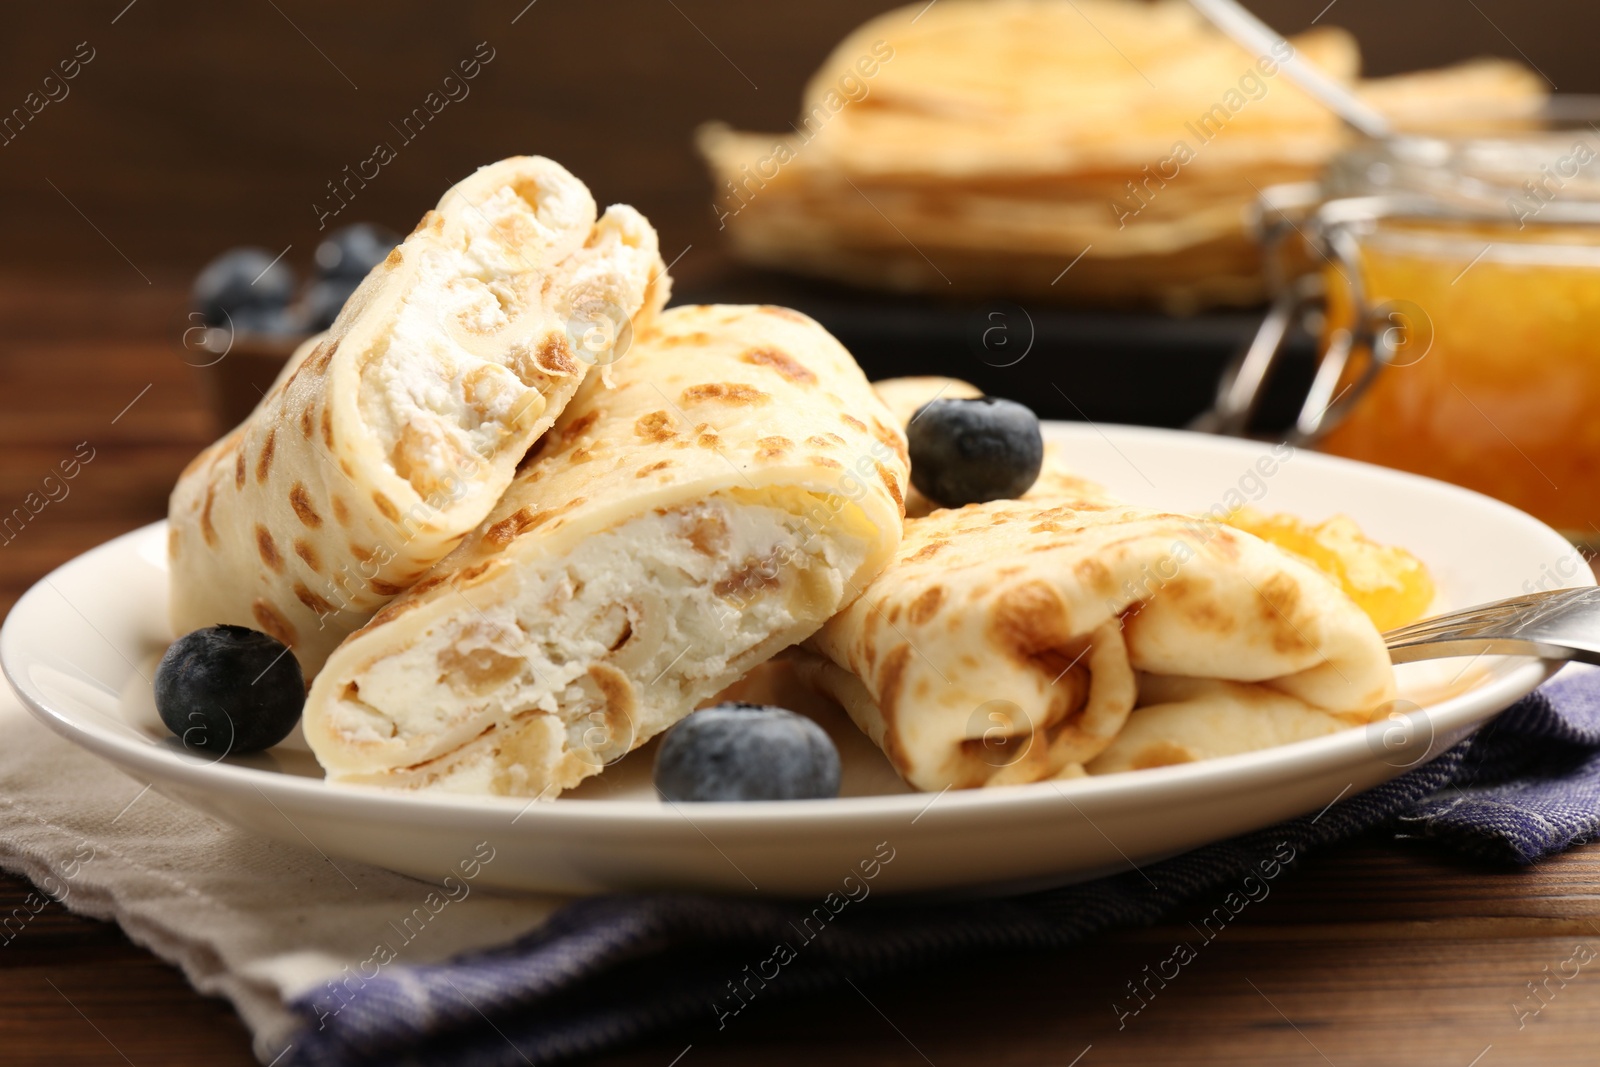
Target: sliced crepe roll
{"points": [[737, 485], [392, 438], [1009, 642]]}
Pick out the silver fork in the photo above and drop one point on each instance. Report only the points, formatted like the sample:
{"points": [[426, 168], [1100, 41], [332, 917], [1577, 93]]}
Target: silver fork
{"points": [[1559, 624]]}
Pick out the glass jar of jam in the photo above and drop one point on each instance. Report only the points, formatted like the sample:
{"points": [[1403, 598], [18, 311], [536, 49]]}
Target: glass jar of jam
{"points": [[1454, 280]]}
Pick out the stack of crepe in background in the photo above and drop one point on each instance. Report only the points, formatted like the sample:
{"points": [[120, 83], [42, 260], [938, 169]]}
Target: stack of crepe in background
{"points": [[981, 146]]}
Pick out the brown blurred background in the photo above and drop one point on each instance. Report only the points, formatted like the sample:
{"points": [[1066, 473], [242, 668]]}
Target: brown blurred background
{"points": [[201, 125], [198, 126]]}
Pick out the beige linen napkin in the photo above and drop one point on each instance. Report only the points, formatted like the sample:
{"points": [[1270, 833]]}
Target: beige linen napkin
{"points": [[250, 919]]}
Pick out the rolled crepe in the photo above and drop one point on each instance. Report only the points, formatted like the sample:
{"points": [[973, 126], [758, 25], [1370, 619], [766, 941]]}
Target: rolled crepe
{"points": [[1008, 642], [391, 439], [736, 486]]}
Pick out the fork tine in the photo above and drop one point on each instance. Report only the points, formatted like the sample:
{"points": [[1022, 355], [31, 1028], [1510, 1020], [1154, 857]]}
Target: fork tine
{"points": [[1563, 623]]}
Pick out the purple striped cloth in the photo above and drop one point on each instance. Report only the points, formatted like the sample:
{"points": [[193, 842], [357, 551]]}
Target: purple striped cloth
{"points": [[605, 970]]}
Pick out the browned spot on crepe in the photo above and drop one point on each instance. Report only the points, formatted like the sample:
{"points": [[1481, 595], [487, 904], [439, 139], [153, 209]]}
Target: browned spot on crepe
{"points": [[559, 509], [341, 512], [1280, 601], [891, 676], [362, 555], [853, 422], [926, 606], [1208, 617], [1225, 545], [889, 439], [926, 552], [312, 600], [824, 461], [268, 549], [327, 426], [308, 555], [431, 220], [708, 440], [383, 588], [656, 426], [785, 313], [271, 622], [300, 500], [1029, 622], [208, 531], [470, 575], [428, 583], [238, 470], [392, 612], [699, 337], [264, 461], [772, 447], [724, 392], [659, 465], [825, 440], [508, 529], [891, 483], [386, 507], [1160, 754], [782, 362], [555, 355], [319, 359], [580, 426], [307, 422]]}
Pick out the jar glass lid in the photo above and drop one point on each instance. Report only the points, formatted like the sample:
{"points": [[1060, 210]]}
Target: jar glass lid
{"points": [[1511, 163]]}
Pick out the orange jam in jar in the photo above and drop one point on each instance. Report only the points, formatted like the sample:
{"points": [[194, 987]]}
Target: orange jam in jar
{"points": [[1494, 381], [1460, 308]]}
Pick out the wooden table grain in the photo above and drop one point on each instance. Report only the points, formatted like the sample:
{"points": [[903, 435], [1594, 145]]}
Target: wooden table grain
{"points": [[1372, 952]]}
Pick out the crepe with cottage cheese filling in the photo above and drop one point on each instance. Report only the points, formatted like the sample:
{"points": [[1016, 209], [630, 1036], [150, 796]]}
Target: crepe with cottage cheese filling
{"points": [[387, 442], [1009, 642], [737, 485]]}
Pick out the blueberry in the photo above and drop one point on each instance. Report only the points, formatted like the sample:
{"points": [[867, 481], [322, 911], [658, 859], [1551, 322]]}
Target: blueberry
{"points": [[969, 451], [229, 689], [746, 752], [352, 251], [324, 299], [241, 278]]}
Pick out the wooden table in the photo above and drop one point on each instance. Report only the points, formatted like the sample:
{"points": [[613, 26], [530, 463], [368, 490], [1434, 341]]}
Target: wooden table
{"points": [[1369, 953]]}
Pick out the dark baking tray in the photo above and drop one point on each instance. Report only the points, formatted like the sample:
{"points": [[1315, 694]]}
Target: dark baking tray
{"points": [[1133, 367]]}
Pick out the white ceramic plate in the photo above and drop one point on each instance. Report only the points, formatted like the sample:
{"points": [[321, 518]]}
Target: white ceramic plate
{"points": [[80, 646]]}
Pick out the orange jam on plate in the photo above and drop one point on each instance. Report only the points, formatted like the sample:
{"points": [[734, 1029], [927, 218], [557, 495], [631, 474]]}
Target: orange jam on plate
{"points": [[1388, 583]]}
